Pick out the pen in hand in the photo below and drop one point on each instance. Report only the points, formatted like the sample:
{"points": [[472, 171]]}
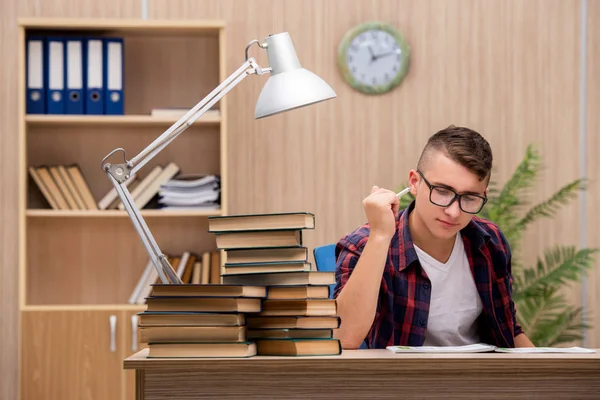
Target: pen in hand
{"points": [[402, 193]]}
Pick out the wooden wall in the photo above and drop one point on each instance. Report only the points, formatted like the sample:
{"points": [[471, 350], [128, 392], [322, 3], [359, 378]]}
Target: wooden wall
{"points": [[593, 163], [507, 68]]}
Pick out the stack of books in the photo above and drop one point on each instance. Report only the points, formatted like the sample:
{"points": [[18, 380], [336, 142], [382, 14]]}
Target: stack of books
{"points": [[199, 320], [297, 315]]}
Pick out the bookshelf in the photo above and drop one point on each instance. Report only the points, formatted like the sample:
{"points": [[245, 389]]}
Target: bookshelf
{"points": [[78, 267]]}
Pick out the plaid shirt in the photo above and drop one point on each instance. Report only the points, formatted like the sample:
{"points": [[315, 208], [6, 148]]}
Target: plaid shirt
{"points": [[405, 292]]}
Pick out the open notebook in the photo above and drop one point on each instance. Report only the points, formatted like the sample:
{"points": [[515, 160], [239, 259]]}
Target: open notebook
{"points": [[484, 348]]}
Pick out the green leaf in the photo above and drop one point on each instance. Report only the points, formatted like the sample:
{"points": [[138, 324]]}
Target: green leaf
{"points": [[549, 207], [513, 194], [561, 265], [563, 327]]}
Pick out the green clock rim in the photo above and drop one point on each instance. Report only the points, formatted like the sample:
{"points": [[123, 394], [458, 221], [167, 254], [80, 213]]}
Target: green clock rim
{"points": [[343, 51]]}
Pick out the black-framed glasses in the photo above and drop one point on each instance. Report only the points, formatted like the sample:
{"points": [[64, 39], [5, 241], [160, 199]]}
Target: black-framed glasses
{"points": [[443, 196]]}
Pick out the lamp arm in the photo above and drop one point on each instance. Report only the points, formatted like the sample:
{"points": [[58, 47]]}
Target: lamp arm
{"points": [[119, 173]]}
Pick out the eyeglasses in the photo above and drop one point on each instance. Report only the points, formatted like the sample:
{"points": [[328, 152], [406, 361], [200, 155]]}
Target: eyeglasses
{"points": [[443, 197]]}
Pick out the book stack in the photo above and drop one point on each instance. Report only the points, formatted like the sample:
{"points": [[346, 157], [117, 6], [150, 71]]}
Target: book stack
{"points": [[199, 320], [297, 315]]}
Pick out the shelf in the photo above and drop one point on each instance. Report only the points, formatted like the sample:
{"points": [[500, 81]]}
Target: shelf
{"points": [[129, 26], [85, 307], [44, 213], [112, 120]]}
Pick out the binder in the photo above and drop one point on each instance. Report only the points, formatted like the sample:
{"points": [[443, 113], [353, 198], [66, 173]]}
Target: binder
{"points": [[94, 90], [36, 91], [113, 76], [55, 75], [74, 76]]}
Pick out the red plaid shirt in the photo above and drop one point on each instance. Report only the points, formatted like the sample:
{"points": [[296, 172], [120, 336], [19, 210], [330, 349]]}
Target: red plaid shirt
{"points": [[405, 292]]}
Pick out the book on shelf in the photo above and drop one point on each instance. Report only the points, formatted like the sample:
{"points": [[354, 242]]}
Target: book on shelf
{"points": [[190, 267], [111, 199], [149, 186], [63, 187]]}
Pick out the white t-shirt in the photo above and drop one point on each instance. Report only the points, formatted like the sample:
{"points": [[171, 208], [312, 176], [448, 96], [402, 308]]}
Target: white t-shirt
{"points": [[455, 303]]}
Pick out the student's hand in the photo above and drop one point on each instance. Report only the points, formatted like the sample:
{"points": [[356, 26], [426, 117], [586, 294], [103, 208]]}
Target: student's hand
{"points": [[381, 208]]}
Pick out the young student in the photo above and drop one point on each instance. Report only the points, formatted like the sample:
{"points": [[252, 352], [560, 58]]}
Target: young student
{"points": [[433, 274]]}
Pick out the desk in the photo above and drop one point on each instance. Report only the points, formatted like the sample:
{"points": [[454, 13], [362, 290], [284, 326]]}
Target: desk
{"points": [[371, 374]]}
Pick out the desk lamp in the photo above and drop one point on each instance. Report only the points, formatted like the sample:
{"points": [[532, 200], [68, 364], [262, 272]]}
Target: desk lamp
{"points": [[290, 86]]}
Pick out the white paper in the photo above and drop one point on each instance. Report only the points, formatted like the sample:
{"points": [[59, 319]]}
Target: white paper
{"points": [[526, 350], [470, 348]]}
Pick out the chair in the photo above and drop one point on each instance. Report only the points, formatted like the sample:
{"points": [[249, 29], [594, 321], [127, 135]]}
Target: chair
{"points": [[325, 261]]}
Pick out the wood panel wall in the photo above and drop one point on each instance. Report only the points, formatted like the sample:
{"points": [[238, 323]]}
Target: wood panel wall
{"points": [[509, 69], [593, 164]]}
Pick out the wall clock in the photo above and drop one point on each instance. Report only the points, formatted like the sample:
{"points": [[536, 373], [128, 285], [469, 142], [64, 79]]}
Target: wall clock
{"points": [[373, 57]]}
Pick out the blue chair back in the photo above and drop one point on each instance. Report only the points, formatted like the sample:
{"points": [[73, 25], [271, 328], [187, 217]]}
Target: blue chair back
{"points": [[325, 261]]}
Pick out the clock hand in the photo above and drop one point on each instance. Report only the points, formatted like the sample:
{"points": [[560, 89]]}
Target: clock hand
{"points": [[373, 57], [377, 57]]}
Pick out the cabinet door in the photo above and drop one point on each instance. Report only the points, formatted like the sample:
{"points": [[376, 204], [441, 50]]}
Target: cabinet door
{"points": [[71, 355], [132, 346]]}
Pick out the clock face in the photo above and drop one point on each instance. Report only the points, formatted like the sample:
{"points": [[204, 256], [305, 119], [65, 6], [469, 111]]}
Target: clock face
{"points": [[374, 58]]}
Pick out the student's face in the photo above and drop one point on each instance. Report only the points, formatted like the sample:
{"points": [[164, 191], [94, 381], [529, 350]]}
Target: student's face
{"points": [[444, 222]]}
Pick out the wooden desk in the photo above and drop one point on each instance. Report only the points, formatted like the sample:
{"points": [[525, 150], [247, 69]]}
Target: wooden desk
{"points": [[371, 374]]}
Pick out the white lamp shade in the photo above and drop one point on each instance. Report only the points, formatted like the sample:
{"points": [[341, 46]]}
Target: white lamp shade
{"points": [[290, 86], [290, 90]]}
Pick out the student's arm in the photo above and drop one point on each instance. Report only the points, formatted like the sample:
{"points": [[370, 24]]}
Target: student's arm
{"points": [[360, 280], [522, 340], [357, 302]]}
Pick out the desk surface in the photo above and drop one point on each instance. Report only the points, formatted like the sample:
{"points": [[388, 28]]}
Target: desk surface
{"points": [[370, 374], [367, 357]]}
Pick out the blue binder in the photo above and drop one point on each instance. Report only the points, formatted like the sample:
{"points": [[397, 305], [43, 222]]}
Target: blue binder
{"points": [[36, 91], [55, 75], [74, 75], [113, 76], [94, 89]]}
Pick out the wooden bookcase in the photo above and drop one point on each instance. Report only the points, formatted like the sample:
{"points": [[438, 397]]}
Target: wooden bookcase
{"points": [[78, 268]]}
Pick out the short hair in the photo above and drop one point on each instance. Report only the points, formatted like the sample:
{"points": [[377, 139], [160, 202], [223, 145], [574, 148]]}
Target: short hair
{"points": [[462, 145]]}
